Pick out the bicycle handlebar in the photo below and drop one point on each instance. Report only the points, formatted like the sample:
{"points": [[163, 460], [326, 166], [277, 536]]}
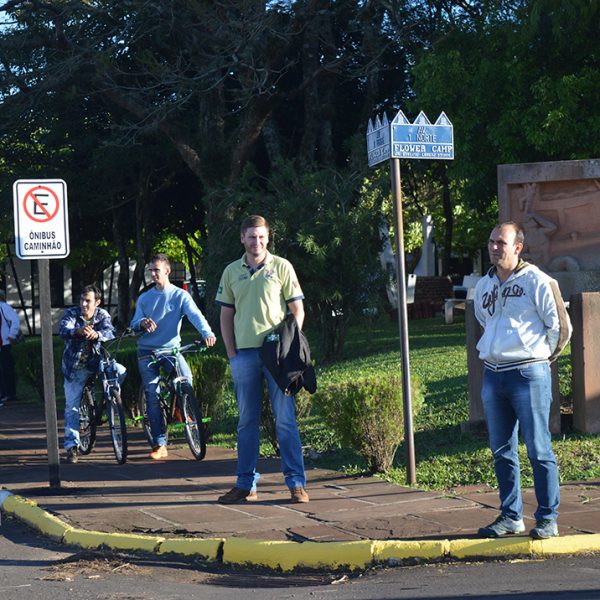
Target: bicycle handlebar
{"points": [[114, 343], [195, 346]]}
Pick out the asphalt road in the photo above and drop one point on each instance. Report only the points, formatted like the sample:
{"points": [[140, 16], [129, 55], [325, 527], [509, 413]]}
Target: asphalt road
{"points": [[32, 567]]}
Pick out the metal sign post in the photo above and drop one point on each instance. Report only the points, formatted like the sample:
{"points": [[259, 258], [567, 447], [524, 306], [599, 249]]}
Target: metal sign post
{"points": [[402, 139], [409, 439], [48, 373], [41, 232]]}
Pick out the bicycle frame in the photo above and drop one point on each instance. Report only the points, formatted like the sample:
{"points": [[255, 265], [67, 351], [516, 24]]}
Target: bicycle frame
{"points": [[176, 396], [175, 379], [110, 401]]}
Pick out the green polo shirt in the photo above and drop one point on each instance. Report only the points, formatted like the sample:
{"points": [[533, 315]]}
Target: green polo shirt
{"points": [[259, 299]]}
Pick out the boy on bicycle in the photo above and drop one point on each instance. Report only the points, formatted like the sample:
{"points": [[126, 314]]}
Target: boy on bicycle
{"points": [[83, 328], [159, 312]]}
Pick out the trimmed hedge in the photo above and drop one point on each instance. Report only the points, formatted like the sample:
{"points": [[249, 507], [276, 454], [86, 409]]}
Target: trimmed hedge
{"points": [[209, 371]]}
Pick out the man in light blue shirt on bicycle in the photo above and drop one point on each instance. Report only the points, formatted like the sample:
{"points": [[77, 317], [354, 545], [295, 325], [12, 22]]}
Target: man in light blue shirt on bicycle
{"points": [[158, 313]]}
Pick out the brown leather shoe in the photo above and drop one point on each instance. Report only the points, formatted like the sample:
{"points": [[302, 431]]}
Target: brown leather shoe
{"points": [[159, 452], [299, 495], [237, 495]]}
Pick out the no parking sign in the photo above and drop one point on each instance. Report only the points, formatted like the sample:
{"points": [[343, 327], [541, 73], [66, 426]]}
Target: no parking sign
{"points": [[41, 218]]}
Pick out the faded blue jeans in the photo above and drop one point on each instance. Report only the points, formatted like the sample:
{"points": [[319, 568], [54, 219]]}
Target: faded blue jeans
{"points": [[519, 399], [248, 373], [73, 389]]}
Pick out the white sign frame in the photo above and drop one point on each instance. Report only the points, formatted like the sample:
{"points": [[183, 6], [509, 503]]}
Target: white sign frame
{"points": [[41, 218], [378, 140]]}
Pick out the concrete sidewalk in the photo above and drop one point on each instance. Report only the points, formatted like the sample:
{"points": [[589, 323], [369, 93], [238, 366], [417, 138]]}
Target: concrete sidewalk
{"points": [[171, 506]]}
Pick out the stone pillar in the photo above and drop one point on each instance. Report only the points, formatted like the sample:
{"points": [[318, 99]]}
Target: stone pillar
{"points": [[475, 378], [474, 366], [585, 358], [555, 424]]}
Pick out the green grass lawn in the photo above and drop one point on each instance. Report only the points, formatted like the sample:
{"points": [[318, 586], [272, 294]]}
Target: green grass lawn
{"points": [[445, 457]]}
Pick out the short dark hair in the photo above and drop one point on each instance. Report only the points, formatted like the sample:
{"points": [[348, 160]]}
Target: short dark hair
{"points": [[94, 289], [253, 221], [161, 257], [519, 233]]}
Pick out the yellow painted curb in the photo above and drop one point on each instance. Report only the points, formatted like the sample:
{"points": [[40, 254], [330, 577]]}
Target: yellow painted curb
{"points": [[207, 548], [289, 555], [29, 512], [132, 541], [116, 541], [84, 539], [569, 544], [489, 547], [384, 550]]}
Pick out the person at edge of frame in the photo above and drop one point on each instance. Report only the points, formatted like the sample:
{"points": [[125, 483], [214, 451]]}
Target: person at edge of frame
{"points": [[159, 312], [255, 293], [10, 332], [83, 328], [525, 327]]}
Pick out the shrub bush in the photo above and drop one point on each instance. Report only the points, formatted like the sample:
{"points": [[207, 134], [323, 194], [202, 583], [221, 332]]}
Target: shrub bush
{"points": [[210, 374], [367, 415], [28, 363]]}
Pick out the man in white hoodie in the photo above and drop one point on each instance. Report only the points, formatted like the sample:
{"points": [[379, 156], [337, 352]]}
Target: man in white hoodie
{"points": [[525, 326]]}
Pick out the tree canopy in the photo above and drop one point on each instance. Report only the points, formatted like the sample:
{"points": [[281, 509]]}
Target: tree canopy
{"points": [[176, 118]]}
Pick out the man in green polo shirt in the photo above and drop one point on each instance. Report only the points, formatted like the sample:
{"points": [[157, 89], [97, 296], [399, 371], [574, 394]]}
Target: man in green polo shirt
{"points": [[255, 294]]}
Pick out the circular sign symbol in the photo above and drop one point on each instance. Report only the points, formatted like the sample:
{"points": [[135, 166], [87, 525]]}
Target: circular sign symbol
{"points": [[41, 204]]}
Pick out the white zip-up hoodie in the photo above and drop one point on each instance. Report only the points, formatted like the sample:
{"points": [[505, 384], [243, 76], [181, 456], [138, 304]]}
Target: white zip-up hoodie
{"points": [[524, 318]]}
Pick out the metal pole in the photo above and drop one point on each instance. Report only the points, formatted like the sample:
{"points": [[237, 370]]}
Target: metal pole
{"points": [[48, 372], [411, 476]]}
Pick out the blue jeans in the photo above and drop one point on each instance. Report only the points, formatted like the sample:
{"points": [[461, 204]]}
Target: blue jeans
{"points": [[248, 373], [150, 375], [73, 390], [513, 400]]}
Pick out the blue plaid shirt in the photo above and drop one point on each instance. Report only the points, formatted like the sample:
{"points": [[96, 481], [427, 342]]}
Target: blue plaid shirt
{"points": [[75, 346]]}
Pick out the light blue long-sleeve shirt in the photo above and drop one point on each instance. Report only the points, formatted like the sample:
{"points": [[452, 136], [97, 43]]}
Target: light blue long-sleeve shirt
{"points": [[167, 308]]}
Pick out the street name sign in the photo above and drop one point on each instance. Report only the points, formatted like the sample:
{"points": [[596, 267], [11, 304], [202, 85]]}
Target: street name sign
{"points": [[422, 139], [41, 218], [378, 140]]}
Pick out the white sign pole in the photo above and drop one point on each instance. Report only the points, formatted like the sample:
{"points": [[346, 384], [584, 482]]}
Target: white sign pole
{"points": [[42, 232]]}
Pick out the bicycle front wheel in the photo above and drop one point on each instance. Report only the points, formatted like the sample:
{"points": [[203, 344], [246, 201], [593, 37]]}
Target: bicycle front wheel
{"points": [[87, 421], [116, 422], [194, 428]]}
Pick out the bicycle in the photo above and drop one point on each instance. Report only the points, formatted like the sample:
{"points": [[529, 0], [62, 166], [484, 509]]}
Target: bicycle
{"points": [[177, 401], [90, 410]]}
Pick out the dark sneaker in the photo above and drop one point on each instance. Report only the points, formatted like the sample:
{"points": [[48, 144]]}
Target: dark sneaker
{"points": [[72, 455], [502, 526], [299, 495], [237, 495], [544, 529]]}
